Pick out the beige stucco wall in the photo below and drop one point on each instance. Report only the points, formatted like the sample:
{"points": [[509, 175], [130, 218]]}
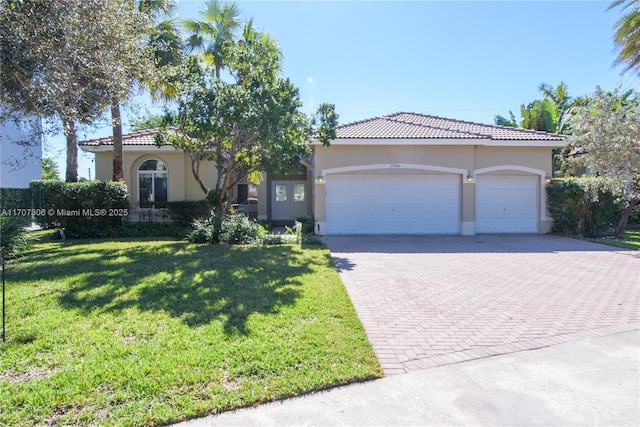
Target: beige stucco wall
{"points": [[181, 183], [458, 159], [104, 166]]}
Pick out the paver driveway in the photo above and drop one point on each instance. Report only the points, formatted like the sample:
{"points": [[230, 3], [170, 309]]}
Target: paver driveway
{"points": [[427, 301]]}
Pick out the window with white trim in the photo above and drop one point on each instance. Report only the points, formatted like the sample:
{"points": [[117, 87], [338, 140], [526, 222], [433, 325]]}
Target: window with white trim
{"points": [[152, 184]]}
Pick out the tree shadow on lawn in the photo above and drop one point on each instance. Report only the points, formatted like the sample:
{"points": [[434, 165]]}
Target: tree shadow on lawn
{"points": [[194, 283], [343, 264]]}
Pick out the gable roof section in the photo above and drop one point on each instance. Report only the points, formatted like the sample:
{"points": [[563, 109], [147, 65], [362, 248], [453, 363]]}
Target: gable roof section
{"points": [[397, 127], [404, 125], [143, 137]]}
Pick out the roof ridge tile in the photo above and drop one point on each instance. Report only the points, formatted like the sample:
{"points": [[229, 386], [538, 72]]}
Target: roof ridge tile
{"points": [[439, 123]]}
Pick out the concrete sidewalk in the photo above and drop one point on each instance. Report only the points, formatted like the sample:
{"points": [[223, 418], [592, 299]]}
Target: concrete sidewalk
{"points": [[594, 381]]}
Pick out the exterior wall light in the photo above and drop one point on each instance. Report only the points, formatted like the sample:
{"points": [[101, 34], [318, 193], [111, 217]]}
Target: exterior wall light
{"points": [[320, 179], [469, 178], [547, 179]]}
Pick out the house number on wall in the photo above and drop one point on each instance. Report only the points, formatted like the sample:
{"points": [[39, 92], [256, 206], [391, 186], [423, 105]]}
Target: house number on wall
{"points": [[394, 166]]}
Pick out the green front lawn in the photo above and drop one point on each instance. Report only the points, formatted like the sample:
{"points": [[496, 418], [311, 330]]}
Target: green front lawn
{"points": [[630, 239], [155, 331]]}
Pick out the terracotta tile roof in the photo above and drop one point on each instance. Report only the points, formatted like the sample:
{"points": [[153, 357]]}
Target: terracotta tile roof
{"points": [[420, 126], [143, 137]]}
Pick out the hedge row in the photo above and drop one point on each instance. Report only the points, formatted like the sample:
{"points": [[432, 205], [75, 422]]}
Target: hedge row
{"points": [[184, 212], [15, 199], [83, 209], [583, 206]]}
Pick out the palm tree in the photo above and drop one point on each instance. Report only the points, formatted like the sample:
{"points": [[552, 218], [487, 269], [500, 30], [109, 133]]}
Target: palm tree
{"points": [[627, 34], [164, 40], [561, 104], [211, 34]]}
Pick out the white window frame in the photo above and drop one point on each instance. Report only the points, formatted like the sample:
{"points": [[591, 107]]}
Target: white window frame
{"points": [[152, 173]]}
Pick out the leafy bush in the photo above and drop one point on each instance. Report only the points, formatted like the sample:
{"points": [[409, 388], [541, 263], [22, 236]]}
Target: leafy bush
{"points": [[279, 239], [236, 229], [13, 236], [266, 225], [584, 206], [202, 231], [83, 209], [239, 229], [186, 211], [308, 224], [311, 240], [15, 198], [634, 218]]}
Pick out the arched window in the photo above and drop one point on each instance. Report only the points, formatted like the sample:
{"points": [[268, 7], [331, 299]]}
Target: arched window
{"points": [[152, 184]]}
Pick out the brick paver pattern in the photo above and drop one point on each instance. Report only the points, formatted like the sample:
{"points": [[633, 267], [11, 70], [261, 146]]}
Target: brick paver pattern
{"points": [[427, 301]]}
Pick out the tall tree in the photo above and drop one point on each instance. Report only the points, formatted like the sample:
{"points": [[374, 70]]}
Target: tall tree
{"points": [[627, 35], [67, 59], [49, 169], [163, 38], [561, 104], [552, 113], [247, 126], [503, 121], [539, 115], [549, 114], [211, 34], [608, 129]]}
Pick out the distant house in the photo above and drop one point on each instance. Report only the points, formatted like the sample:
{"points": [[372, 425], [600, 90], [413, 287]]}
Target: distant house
{"points": [[403, 173], [20, 150]]}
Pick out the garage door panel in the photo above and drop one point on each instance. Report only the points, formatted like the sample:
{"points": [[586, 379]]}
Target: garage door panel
{"points": [[393, 204], [505, 212], [511, 196], [506, 204]]}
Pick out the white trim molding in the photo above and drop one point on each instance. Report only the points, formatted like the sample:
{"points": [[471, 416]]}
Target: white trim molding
{"points": [[468, 228], [541, 174], [383, 166]]}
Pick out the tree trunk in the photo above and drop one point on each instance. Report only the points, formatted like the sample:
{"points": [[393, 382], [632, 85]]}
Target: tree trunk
{"points": [[622, 223], [72, 150], [219, 199], [195, 170], [116, 124]]}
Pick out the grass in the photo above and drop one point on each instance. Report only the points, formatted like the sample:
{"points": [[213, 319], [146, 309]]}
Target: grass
{"points": [[630, 240], [156, 331]]}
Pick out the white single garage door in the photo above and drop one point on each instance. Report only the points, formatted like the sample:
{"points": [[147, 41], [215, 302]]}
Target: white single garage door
{"points": [[506, 204], [395, 204]]}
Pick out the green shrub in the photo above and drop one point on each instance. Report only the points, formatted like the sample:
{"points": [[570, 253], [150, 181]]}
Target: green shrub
{"points": [[279, 239], [83, 209], [202, 231], [13, 236], [238, 228], [311, 240], [265, 224], [184, 212], [15, 199], [308, 224], [584, 206], [634, 218]]}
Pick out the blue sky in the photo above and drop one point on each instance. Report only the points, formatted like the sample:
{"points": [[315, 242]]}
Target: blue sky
{"points": [[467, 60]]}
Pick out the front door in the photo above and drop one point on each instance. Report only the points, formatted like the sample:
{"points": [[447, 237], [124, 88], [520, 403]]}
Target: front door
{"points": [[288, 200]]}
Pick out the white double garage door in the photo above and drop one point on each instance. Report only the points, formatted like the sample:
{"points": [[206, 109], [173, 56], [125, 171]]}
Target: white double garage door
{"points": [[428, 204]]}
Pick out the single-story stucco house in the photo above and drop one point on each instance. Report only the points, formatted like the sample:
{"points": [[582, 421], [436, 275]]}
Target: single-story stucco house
{"points": [[403, 173]]}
